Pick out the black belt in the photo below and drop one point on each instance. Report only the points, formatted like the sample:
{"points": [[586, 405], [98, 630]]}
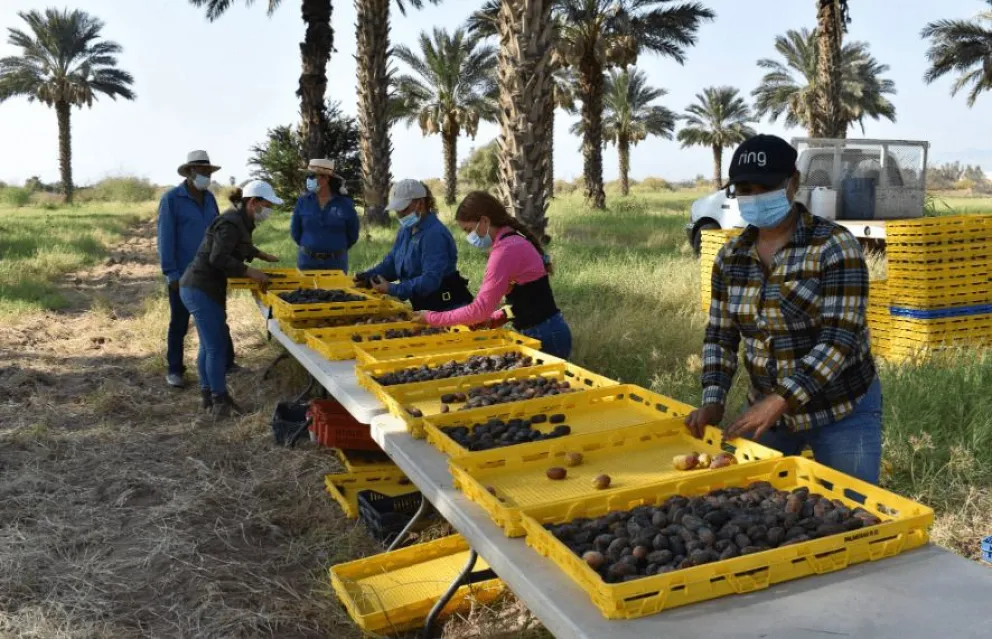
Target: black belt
{"points": [[323, 256]]}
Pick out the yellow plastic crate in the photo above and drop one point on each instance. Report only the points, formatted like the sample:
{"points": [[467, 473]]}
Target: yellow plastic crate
{"points": [[296, 329], [506, 480], [356, 461], [366, 373], [344, 487], [393, 592], [904, 526], [943, 229], [454, 342], [369, 306], [331, 278], [426, 396], [340, 343], [589, 411], [280, 279]]}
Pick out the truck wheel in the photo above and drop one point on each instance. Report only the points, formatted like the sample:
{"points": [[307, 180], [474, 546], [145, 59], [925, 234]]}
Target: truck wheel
{"points": [[697, 235]]}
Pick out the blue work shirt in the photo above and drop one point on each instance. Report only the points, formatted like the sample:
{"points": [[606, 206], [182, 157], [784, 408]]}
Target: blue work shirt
{"points": [[182, 223], [421, 257], [331, 229]]}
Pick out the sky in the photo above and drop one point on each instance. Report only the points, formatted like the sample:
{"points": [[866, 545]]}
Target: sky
{"points": [[219, 86]]}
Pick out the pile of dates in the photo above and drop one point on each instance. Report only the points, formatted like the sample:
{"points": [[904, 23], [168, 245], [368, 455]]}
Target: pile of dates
{"points": [[319, 296], [396, 333], [497, 433], [516, 390], [474, 365], [692, 531], [335, 322]]}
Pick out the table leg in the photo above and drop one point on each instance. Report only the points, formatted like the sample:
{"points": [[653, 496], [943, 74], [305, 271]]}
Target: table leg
{"points": [[400, 538], [449, 593]]}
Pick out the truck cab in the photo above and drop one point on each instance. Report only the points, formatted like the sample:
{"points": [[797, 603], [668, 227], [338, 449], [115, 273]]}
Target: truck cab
{"points": [[857, 183]]}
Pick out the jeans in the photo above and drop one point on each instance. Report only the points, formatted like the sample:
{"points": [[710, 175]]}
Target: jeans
{"points": [[852, 445], [178, 327], [555, 336], [211, 324], [306, 263]]}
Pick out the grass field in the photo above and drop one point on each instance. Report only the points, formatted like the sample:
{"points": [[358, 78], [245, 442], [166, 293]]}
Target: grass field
{"points": [[103, 454]]}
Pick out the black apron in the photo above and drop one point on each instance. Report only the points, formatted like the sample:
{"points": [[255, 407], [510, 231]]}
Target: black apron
{"points": [[451, 294]]}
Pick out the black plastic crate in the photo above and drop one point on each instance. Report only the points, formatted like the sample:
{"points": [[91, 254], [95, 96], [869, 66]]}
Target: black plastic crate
{"points": [[385, 516], [289, 423]]}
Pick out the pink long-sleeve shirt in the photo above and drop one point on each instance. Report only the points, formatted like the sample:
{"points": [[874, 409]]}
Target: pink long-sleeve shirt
{"points": [[513, 260]]}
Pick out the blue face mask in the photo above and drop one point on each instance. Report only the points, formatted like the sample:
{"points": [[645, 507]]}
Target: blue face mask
{"points": [[312, 185], [765, 211], [409, 220], [201, 182], [479, 241]]}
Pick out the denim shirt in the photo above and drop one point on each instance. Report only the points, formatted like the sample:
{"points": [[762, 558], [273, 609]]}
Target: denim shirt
{"points": [[421, 257], [324, 230], [182, 223]]}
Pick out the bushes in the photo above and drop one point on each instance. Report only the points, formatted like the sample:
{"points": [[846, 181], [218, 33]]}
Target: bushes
{"points": [[14, 196], [655, 184], [119, 189]]}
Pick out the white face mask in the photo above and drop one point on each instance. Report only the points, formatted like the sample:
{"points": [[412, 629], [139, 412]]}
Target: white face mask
{"points": [[263, 214], [201, 182]]}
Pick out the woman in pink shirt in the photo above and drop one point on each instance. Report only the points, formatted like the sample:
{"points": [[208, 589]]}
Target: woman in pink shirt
{"points": [[517, 269]]}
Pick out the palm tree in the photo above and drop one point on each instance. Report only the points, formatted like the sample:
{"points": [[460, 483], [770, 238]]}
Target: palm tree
{"points": [[63, 63], [526, 101], [964, 47], [374, 83], [596, 35], [629, 117], [315, 52], [790, 89], [831, 20], [453, 89], [719, 118]]}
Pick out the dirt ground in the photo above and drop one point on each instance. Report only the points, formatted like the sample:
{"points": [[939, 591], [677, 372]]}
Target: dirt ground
{"points": [[120, 518]]}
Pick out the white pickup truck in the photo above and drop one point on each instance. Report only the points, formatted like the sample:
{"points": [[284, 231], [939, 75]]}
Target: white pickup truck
{"points": [[857, 183]]}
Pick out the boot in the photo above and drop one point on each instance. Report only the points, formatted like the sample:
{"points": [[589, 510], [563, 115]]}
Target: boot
{"points": [[224, 406], [207, 400]]}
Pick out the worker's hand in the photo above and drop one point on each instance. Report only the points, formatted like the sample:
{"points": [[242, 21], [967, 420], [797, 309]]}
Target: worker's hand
{"points": [[699, 419], [174, 285], [257, 276], [361, 280], [498, 319], [268, 257], [759, 418], [380, 284], [418, 317]]}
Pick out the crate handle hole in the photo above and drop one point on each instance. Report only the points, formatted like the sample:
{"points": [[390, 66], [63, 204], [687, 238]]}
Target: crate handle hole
{"points": [[636, 398], [677, 588], [783, 474], [644, 595], [829, 485], [854, 496]]}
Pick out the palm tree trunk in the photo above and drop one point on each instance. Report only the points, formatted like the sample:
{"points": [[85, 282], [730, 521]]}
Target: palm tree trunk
{"points": [[63, 111], [315, 52], [828, 70], [526, 100], [623, 149], [717, 165], [550, 153], [372, 36], [450, 142], [591, 94]]}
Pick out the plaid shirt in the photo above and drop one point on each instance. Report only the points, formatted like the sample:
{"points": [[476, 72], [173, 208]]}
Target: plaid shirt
{"points": [[803, 323]]}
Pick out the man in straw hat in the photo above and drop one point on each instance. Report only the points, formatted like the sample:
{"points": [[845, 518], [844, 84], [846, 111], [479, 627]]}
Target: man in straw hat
{"points": [[324, 223], [184, 214]]}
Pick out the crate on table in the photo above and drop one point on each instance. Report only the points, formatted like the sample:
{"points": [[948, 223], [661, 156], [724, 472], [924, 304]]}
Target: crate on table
{"points": [[279, 279], [364, 461], [340, 343], [344, 488], [452, 342], [367, 374], [406, 400], [504, 481], [394, 592], [334, 427], [904, 526], [588, 411], [385, 516], [368, 305]]}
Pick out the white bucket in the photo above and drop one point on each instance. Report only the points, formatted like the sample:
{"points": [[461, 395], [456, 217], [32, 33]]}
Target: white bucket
{"points": [[823, 203]]}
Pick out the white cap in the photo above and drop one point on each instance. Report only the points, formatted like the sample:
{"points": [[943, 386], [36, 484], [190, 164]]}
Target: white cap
{"points": [[259, 188], [405, 192]]}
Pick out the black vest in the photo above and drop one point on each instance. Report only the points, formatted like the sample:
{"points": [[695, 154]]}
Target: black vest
{"points": [[453, 293]]}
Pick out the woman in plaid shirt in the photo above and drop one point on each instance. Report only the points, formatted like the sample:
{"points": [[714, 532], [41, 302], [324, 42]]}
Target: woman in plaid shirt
{"points": [[794, 288]]}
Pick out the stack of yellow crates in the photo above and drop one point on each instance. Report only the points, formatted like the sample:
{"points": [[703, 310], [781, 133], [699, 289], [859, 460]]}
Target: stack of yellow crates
{"points": [[712, 242], [939, 283], [878, 318]]}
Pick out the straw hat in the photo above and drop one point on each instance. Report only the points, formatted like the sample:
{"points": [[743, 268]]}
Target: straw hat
{"points": [[197, 158], [320, 167]]}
